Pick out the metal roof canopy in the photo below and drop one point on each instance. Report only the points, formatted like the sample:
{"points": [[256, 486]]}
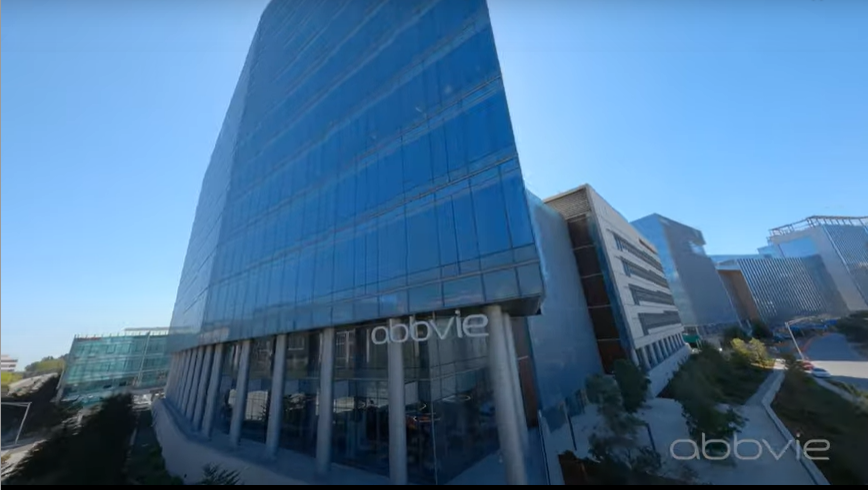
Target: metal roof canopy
{"points": [[819, 220]]}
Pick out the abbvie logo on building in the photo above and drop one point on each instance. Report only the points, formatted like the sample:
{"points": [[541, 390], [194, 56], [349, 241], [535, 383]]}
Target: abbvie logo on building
{"points": [[472, 326]]}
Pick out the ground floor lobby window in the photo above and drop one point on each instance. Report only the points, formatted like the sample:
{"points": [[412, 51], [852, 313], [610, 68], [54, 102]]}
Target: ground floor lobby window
{"points": [[298, 430]]}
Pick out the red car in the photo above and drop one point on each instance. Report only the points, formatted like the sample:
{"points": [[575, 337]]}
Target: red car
{"points": [[807, 366]]}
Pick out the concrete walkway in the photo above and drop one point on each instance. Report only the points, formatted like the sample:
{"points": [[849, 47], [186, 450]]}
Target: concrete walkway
{"points": [[670, 436]]}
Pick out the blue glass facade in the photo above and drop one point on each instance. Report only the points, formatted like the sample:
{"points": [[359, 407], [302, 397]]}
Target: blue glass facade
{"points": [[366, 169], [98, 366]]}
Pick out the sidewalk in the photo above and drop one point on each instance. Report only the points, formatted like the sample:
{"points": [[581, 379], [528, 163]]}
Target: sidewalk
{"points": [[767, 385]]}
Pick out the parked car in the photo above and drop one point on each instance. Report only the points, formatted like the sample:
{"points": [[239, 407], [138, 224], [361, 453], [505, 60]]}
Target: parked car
{"points": [[807, 366], [820, 373]]}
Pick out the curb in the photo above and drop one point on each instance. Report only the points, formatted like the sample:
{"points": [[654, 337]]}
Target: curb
{"points": [[815, 473]]}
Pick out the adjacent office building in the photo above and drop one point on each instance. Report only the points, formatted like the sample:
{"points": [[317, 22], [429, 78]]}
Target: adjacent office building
{"points": [[632, 308], [775, 290], [702, 300], [8, 364], [815, 267], [135, 361], [363, 293], [841, 243]]}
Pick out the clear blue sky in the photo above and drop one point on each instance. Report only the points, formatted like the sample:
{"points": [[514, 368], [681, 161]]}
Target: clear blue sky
{"points": [[733, 117]]}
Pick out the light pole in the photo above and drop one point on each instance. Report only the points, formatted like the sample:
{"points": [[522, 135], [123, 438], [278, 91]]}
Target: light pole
{"points": [[799, 350]]}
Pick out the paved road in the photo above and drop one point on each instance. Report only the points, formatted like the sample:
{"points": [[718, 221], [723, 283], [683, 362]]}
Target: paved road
{"points": [[834, 354]]}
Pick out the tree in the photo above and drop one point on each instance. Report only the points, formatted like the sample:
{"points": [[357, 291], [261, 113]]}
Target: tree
{"points": [[753, 352], [740, 351], [633, 385], [7, 379], [733, 333], [614, 445], [759, 354], [47, 365], [760, 330], [698, 398]]}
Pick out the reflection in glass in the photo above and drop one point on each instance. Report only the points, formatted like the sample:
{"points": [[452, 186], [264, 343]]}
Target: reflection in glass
{"points": [[449, 408], [255, 424], [301, 392], [361, 401], [451, 378], [228, 384]]}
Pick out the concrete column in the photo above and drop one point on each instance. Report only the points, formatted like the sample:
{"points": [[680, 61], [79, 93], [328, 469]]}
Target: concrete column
{"points": [[176, 377], [213, 390], [643, 359], [521, 418], [634, 357], [170, 381], [504, 398], [194, 383], [240, 394], [326, 403], [199, 407], [176, 385], [275, 412], [397, 415], [188, 373]]}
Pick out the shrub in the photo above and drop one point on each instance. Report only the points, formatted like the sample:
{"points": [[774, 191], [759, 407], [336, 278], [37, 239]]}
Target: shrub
{"points": [[854, 327], [794, 365], [760, 330], [215, 475], [633, 385]]}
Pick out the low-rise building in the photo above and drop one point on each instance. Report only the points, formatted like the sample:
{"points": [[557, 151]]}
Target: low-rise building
{"points": [[134, 361], [8, 364]]}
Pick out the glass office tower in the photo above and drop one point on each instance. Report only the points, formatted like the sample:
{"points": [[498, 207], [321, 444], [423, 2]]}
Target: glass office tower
{"points": [[697, 288], [362, 233]]}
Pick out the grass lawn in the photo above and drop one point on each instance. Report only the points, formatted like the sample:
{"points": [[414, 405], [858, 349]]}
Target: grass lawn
{"points": [[817, 413], [145, 465], [735, 381], [847, 387]]}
